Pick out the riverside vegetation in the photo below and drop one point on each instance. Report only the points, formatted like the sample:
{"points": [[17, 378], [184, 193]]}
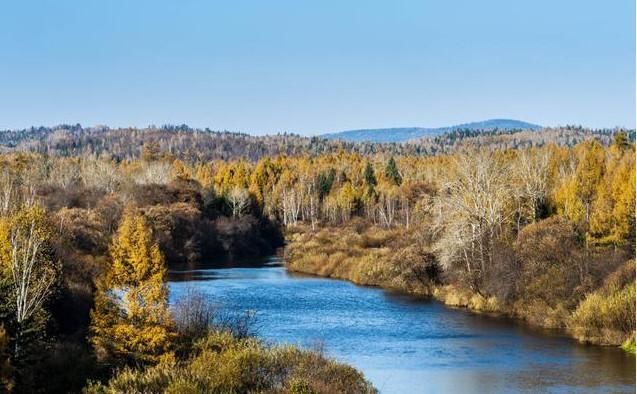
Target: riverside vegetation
{"points": [[544, 235], [90, 224]]}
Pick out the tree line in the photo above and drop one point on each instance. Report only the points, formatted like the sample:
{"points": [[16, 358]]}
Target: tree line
{"points": [[191, 145]]}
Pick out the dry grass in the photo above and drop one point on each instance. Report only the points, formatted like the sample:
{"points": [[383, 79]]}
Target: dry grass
{"points": [[460, 297], [365, 255]]}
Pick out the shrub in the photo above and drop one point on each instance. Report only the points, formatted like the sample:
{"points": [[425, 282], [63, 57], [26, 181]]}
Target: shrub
{"points": [[224, 363], [553, 270], [607, 316]]}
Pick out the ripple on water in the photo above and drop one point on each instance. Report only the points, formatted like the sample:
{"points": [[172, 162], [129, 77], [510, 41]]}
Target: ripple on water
{"points": [[405, 345]]}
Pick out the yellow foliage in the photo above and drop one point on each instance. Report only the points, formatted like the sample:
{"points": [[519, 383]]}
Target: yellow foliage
{"points": [[131, 317], [225, 364], [180, 170], [613, 214]]}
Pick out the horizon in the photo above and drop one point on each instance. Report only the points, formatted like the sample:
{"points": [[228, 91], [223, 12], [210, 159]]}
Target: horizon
{"points": [[277, 67], [323, 133]]}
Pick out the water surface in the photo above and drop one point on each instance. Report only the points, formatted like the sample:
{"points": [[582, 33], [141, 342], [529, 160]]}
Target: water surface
{"points": [[407, 345]]}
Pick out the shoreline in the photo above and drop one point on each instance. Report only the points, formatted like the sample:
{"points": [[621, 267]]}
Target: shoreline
{"points": [[450, 296]]}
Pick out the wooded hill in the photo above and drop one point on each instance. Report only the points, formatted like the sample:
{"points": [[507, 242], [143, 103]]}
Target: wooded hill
{"points": [[192, 145]]}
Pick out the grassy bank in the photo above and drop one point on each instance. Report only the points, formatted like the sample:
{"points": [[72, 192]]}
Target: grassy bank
{"points": [[604, 314], [364, 255], [223, 363]]}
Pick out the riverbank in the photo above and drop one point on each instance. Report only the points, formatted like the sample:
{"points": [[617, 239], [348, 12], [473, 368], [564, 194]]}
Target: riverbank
{"points": [[396, 259]]}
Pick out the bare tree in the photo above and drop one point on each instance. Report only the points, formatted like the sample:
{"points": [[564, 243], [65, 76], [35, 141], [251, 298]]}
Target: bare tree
{"points": [[100, 174], [65, 173], [291, 206], [7, 193], [470, 212], [239, 199], [533, 175], [388, 205], [153, 172]]}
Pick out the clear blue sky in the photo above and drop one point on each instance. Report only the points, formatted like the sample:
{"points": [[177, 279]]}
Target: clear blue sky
{"points": [[310, 67]]}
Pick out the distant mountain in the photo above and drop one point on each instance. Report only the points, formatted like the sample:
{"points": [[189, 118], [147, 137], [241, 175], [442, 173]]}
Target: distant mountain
{"points": [[403, 134]]}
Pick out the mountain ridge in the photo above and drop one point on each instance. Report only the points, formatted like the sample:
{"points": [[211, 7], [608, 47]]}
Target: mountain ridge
{"points": [[404, 134]]}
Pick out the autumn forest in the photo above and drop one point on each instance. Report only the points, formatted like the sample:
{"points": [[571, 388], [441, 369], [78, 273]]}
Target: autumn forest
{"points": [[538, 226]]}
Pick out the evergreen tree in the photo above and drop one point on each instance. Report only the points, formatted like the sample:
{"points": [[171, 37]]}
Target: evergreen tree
{"points": [[370, 177], [131, 320], [325, 182], [391, 172], [620, 139]]}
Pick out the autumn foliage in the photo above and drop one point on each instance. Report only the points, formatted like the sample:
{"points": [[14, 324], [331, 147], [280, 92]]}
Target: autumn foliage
{"points": [[131, 320]]}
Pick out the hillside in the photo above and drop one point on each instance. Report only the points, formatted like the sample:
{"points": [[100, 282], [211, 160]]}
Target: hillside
{"points": [[193, 145], [403, 134]]}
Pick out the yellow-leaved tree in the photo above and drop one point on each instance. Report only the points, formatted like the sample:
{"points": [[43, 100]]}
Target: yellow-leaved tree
{"points": [[131, 321], [613, 213]]}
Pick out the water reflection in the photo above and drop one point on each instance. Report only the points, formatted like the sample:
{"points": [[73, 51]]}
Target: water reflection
{"points": [[405, 345]]}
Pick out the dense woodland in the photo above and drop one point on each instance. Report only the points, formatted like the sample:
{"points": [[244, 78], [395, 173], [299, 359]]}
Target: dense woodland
{"points": [[192, 145], [542, 228]]}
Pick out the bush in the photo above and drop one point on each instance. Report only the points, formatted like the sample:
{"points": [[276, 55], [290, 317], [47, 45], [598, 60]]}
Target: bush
{"points": [[607, 316], [195, 316], [553, 272], [224, 363]]}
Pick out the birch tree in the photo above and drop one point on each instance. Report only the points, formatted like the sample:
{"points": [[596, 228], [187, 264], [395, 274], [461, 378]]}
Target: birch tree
{"points": [[239, 199], [26, 259]]}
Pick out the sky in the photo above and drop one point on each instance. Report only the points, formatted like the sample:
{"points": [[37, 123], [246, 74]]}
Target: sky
{"points": [[310, 67]]}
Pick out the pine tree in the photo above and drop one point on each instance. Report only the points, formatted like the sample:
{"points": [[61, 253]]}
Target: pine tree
{"points": [[392, 173], [370, 177], [620, 139], [131, 320]]}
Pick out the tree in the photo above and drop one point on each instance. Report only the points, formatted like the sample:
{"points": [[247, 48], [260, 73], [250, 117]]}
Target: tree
{"points": [[392, 173], [470, 211], [180, 170], [346, 199], [620, 139], [151, 151], [131, 319], [589, 173], [100, 174], [26, 259], [613, 210], [239, 199], [388, 199], [532, 169], [153, 173], [325, 182], [370, 177]]}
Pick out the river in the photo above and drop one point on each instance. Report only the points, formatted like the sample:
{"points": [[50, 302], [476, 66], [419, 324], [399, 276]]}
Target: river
{"points": [[408, 345]]}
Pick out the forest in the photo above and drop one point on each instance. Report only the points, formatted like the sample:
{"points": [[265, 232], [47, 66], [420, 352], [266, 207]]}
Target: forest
{"points": [[539, 226]]}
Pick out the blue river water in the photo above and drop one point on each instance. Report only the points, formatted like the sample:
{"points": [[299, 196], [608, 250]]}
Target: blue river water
{"points": [[408, 345]]}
